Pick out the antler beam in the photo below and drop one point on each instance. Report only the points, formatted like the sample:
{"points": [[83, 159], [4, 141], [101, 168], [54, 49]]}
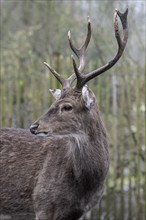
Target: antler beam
{"points": [[83, 79]]}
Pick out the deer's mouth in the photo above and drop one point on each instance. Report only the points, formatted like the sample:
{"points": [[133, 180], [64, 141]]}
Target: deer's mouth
{"points": [[42, 134], [34, 130]]}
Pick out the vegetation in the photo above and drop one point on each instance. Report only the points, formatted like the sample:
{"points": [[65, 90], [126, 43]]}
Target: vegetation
{"points": [[35, 31]]}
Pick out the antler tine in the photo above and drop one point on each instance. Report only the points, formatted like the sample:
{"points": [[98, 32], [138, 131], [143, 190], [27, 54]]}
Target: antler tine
{"points": [[76, 70], [57, 75], [80, 52], [82, 80]]}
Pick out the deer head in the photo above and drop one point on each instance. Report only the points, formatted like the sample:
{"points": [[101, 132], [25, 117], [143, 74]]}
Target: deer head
{"points": [[75, 107]]}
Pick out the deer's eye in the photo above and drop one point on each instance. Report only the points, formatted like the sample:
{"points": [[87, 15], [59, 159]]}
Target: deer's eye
{"points": [[67, 107]]}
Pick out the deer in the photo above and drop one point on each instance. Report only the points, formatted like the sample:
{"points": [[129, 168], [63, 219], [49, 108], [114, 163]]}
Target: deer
{"points": [[57, 169]]}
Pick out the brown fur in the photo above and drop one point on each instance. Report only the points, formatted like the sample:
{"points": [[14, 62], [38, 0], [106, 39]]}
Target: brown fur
{"points": [[63, 173]]}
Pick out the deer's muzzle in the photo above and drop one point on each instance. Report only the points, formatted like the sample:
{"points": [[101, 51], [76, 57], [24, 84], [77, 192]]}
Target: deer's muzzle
{"points": [[33, 128]]}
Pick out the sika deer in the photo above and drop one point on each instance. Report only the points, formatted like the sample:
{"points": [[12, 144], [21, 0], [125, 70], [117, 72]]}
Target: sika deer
{"points": [[63, 164]]}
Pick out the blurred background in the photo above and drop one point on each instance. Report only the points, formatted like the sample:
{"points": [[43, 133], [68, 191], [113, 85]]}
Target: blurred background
{"points": [[35, 31]]}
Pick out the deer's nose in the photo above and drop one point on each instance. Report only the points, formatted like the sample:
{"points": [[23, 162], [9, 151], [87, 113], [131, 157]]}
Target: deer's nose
{"points": [[33, 128]]}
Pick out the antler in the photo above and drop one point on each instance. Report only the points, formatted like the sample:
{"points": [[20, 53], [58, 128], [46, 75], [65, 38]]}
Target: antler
{"points": [[80, 53], [83, 79], [57, 75]]}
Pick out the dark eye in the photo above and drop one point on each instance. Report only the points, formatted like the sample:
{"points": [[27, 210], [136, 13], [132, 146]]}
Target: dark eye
{"points": [[67, 107]]}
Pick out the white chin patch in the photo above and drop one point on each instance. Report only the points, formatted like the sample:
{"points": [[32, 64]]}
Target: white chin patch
{"points": [[42, 134]]}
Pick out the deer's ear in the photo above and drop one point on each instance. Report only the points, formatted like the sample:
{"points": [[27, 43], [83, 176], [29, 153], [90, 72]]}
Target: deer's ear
{"points": [[87, 97], [56, 93]]}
